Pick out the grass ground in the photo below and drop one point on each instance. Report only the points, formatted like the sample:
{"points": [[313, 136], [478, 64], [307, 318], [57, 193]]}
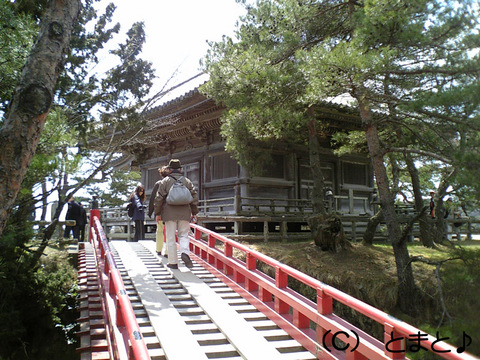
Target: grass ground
{"points": [[369, 274]]}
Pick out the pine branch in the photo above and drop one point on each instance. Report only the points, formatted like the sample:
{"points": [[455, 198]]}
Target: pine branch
{"points": [[420, 152], [437, 264]]}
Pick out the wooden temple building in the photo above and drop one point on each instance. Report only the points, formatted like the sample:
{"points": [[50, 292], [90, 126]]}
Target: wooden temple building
{"points": [[278, 203]]}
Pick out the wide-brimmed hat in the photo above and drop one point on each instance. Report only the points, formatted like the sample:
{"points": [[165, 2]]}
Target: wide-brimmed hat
{"points": [[174, 164]]}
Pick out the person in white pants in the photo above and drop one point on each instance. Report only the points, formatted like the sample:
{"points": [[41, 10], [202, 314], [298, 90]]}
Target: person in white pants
{"points": [[159, 234], [176, 217], [181, 228]]}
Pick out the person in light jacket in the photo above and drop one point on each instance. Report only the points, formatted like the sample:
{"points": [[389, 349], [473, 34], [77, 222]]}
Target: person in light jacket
{"points": [[138, 198], [176, 217]]}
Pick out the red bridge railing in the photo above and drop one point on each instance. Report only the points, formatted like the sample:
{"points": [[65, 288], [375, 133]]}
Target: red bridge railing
{"points": [[311, 323], [124, 336]]}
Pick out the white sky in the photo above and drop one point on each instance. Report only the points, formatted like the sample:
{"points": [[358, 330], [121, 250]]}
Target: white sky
{"points": [[177, 32]]}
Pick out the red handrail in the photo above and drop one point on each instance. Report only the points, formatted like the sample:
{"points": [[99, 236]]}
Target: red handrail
{"points": [[295, 312], [123, 329]]}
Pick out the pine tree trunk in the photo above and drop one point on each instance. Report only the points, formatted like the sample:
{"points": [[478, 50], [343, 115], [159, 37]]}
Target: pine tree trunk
{"points": [[440, 227], [407, 290], [425, 227], [315, 165], [20, 133], [372, 225], [440, 232], [43, 215], [327, 229]]}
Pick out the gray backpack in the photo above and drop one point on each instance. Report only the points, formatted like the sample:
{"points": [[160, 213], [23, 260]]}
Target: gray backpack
{"points": [[179, 193]]}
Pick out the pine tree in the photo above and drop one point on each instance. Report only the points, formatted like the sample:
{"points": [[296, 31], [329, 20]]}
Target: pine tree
{"points": [[404, 64]]}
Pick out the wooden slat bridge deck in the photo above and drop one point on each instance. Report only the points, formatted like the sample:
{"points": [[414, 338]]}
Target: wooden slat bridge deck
{"points": [[206, 316], [195, 314], [134, 307]]}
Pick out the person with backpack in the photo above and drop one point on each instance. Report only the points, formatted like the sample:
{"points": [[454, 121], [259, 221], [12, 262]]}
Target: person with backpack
{"points": [[159, 235], [176, 204], [137, 198]]}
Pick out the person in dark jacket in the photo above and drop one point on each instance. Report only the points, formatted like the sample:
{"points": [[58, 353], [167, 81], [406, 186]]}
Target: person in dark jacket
{"points": [[137, 198], [95, 203], [73, 213]]}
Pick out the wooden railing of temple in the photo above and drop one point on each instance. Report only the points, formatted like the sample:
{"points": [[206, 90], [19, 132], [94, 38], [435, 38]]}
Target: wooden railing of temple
{"points": [[119, 226], [238, 210], [244, 205]]}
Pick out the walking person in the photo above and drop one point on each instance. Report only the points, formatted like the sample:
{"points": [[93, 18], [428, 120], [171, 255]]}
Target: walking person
{"points": [[95, 204], [177, 215], [159, 235], [137, 198], [73, 213]]}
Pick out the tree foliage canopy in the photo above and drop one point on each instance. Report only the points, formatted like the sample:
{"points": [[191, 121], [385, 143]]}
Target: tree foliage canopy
{"points": [[410, 68], [415, 64], [86, 107], [16, 38]]}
